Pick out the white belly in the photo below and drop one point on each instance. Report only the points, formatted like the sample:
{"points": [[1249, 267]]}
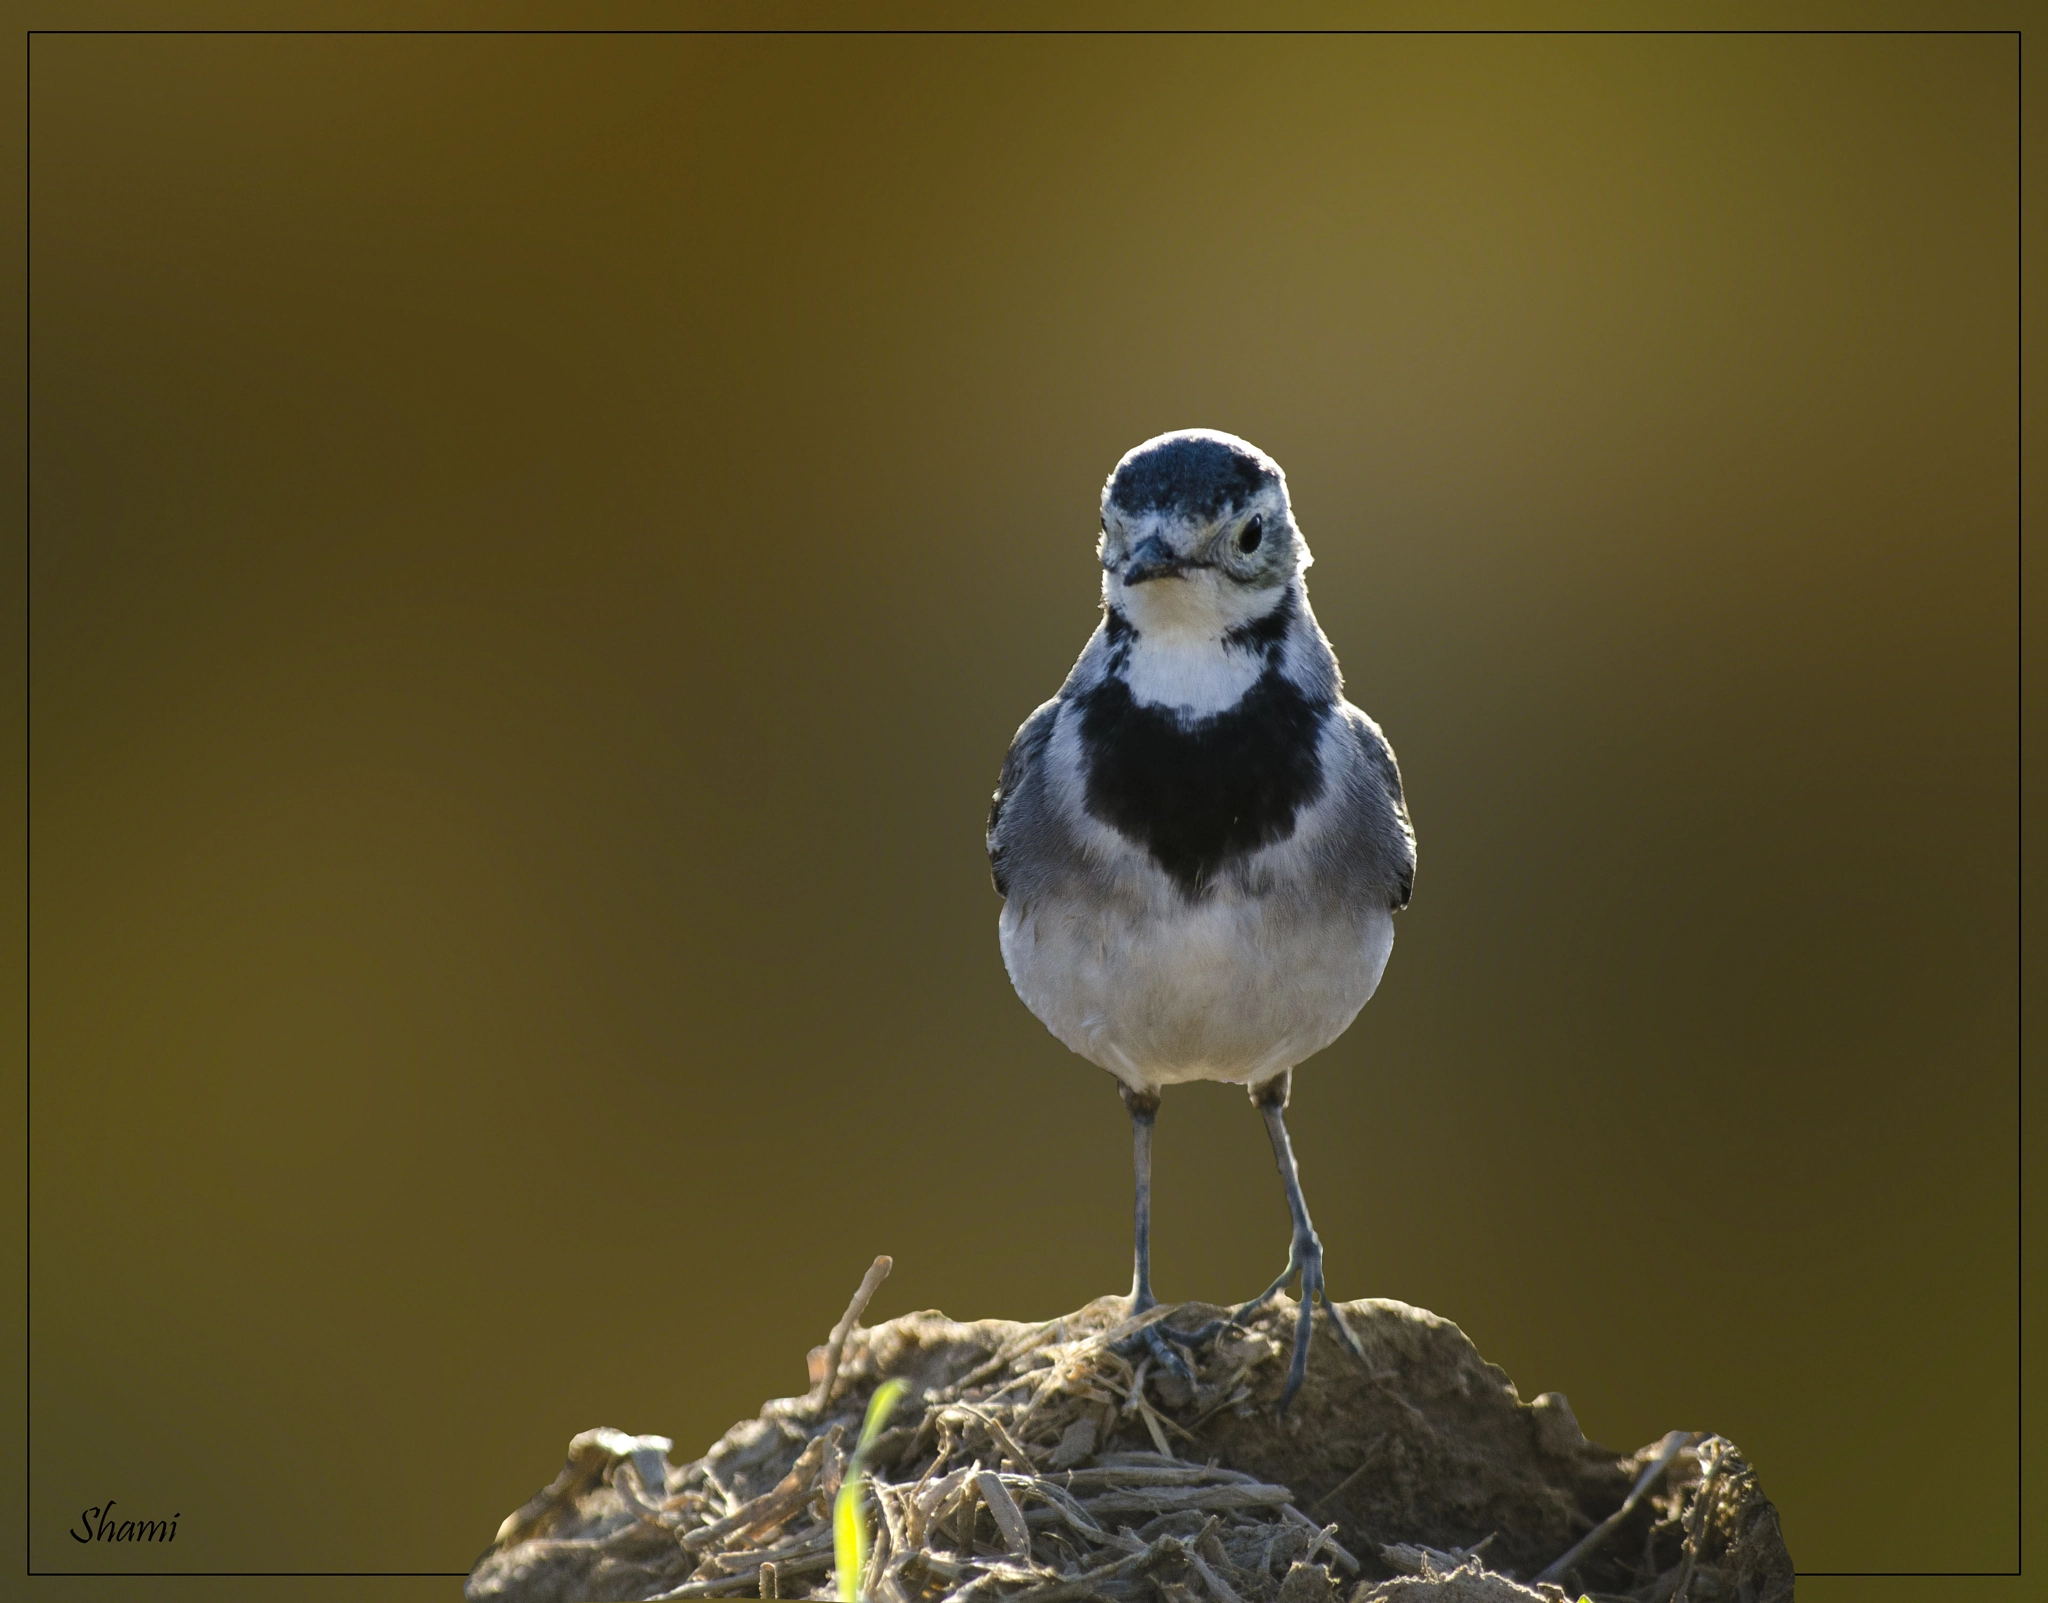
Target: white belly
{"points": [[1167, 992]]}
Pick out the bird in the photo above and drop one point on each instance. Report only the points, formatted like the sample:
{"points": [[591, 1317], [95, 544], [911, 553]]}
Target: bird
{"points": [[1199, 843]]}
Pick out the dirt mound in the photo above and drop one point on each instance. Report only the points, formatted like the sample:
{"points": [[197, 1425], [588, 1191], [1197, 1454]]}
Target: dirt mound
{"points": [[1034, 1463]]}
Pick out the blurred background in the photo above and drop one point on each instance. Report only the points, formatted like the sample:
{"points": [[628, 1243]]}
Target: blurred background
{"points": [[539, 548]]}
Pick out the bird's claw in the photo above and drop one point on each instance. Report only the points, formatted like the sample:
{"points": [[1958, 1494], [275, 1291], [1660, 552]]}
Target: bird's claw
{"points": [[1171, 1347], [1344, 1333], [1169, 1356], [1304, 1258]]}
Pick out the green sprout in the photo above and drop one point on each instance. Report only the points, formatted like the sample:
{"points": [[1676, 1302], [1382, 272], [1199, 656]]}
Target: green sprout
{"points": [[849, 1509]]}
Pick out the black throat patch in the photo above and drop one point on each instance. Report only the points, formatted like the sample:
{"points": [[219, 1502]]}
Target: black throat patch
{"points": [[1197, 795]]}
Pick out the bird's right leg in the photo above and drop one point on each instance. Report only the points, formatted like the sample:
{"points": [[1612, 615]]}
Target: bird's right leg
{"points": [[1144, 1108]]}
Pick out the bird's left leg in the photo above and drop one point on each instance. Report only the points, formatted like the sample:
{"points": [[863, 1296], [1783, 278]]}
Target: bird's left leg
{"points": [[1305, 1252]]}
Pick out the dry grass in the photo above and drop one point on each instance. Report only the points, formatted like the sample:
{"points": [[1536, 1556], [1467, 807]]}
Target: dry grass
{"points": [[1041, 1463]]}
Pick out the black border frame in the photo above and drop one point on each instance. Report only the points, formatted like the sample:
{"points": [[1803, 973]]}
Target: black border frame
{"points": [[2018, 35]]}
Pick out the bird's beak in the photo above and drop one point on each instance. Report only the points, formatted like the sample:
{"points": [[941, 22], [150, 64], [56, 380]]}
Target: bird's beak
{"points": [[1155, 559]]}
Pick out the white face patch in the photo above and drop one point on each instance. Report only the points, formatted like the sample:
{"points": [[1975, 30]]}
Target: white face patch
{"points": [[1178, 658], [1199, 677]]}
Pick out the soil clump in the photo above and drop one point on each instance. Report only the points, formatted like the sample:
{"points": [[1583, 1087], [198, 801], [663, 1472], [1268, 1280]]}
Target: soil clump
{"points": [[1061, 1462]]}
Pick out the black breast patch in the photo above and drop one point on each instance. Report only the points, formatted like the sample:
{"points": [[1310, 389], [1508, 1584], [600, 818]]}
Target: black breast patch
{"points": [[1196, 796]]}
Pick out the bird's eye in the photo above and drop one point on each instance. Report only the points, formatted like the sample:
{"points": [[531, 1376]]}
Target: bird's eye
{"points": [[1251, 534]]}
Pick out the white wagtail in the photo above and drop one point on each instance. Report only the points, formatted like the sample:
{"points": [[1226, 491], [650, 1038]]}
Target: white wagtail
{"points": [[1200, 844]]}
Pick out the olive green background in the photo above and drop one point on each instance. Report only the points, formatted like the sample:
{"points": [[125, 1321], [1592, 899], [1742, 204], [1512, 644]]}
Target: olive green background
{"points": [[539, 546]]}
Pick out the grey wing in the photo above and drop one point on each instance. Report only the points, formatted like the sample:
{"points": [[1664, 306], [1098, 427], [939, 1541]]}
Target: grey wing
{"points": [[1385, 839], [1017, 791]]}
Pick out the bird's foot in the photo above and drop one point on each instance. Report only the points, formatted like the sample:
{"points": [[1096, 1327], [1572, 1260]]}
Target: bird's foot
{"points": [[1304, 1258], [1170, 1348]]}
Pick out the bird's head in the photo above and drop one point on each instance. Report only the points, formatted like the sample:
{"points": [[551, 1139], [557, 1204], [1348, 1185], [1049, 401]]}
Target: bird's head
{"points": [[1197, 534]]}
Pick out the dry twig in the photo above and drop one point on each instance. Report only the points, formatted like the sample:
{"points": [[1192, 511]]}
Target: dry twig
{"points": [[878, 1272]]}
